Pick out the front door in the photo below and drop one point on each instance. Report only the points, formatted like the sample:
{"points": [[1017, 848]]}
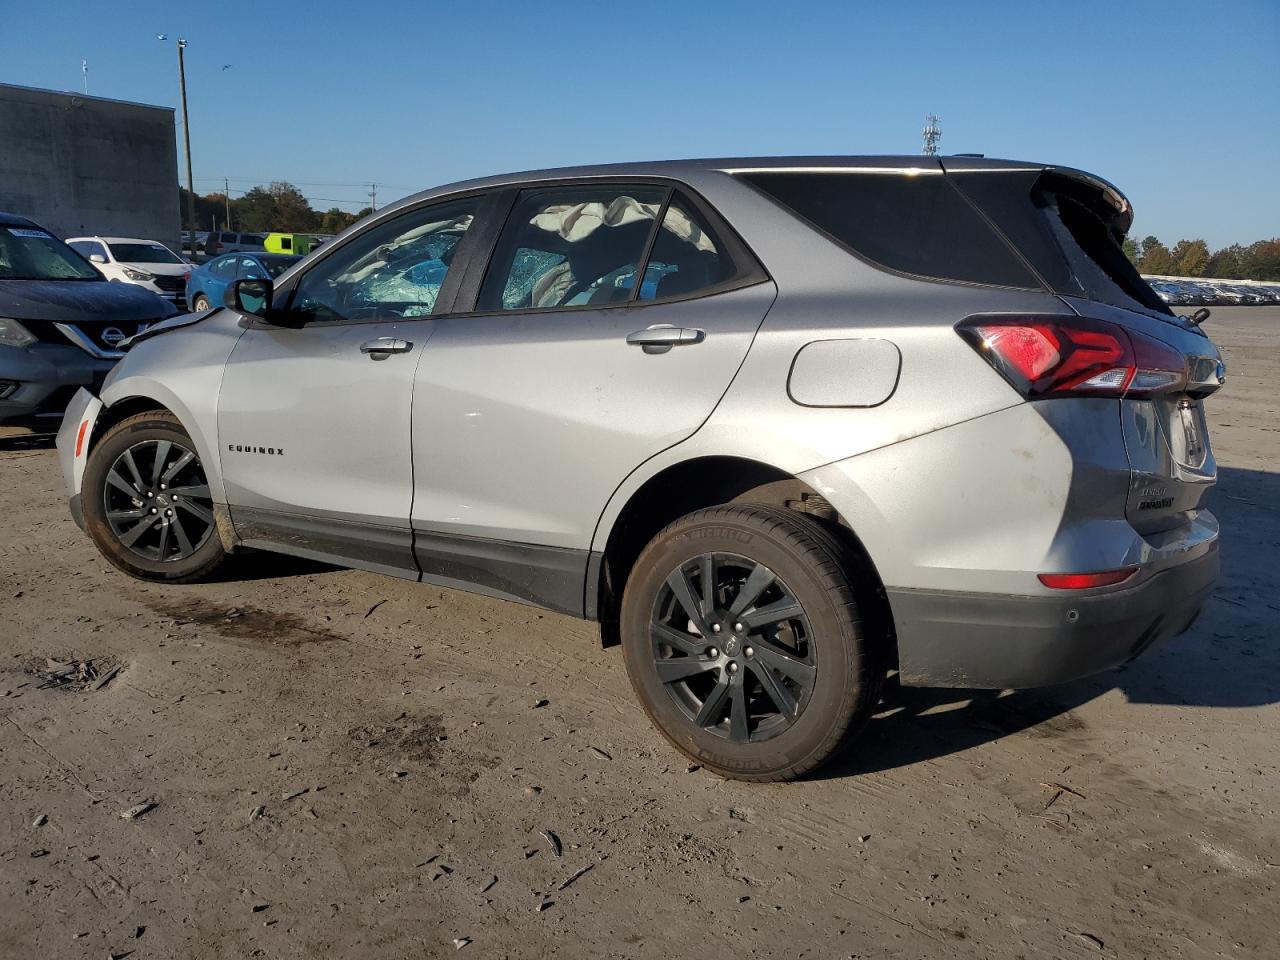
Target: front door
{"points": [[531, 409], [314, 417]]}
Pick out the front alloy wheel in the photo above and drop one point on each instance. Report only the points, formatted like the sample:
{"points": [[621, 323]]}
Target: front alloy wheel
{"points": [[147, 503], [156, 501]]}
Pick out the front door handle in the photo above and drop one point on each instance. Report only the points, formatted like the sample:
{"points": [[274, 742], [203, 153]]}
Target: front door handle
{"points": [[661, 337], [382, 347]]}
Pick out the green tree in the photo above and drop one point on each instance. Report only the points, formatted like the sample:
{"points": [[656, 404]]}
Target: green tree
{"points": [[1156, 258], [1227, 263], [1261, 260], [1148, 243], [292, 213], [334, 220], [255, 211], [1131, 250], [1191, 257]]}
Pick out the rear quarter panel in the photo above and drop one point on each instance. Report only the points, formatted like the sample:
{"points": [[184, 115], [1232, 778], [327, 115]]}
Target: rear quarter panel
{"points": [[826, 293]]}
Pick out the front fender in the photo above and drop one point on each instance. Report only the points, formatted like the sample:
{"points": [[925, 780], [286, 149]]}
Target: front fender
{"points": [[202, 428]]}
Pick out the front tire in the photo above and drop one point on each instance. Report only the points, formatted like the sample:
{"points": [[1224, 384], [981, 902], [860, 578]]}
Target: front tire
{"points": [[147, 504], [743, 641]]}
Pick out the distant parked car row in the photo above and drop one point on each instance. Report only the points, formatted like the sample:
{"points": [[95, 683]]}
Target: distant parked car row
{"points": [[1214, 292]]}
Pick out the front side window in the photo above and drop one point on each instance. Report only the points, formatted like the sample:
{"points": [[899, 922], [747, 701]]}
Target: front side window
{"points": [[250, 270], [571, 246], [224, 267], [395, 269]]}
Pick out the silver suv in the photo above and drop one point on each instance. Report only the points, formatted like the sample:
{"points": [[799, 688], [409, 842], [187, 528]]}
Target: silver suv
{"points": [[782, 426]]}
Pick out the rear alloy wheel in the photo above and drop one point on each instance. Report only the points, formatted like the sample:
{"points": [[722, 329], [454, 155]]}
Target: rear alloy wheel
{"points": [[201, 302], [744, 644], [147, 503]]}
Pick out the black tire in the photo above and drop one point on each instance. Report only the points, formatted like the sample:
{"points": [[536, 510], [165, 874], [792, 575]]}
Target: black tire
{"points": [[201, 302], [158, 553], [811, 570]]}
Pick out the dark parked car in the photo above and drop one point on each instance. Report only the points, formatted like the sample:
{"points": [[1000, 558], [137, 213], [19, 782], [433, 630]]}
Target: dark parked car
{"points": [[61, 322], [206, 283]]}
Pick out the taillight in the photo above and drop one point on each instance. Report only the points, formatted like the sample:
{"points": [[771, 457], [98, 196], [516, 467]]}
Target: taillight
{"points": [[1083, 581], [1053, 356]]}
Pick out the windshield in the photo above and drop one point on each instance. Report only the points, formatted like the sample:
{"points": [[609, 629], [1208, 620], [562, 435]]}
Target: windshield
{"points": [[28, 253], [143, 253], [278, 265]]}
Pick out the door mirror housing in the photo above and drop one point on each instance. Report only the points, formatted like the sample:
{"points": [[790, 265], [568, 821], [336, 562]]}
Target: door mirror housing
{"points": [[251, 296], [97, 258]]}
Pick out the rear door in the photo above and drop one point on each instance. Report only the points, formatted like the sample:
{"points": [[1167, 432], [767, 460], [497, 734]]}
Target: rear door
{"points": [[313, 416], [532, 408]]}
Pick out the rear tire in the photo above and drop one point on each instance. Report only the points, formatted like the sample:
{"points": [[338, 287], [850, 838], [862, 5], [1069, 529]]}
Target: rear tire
{"points": [[146, 501], [201, 302], [771, 673]]}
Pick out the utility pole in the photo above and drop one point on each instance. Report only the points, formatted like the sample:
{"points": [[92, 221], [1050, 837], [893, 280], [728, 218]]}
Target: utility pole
{"points": [[373, 196], [84, 68], [932, 134], [186, 142], [226, 193]]}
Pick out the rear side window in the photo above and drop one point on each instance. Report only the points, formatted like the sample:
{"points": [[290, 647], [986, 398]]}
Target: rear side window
{"points": [[918, 225], [686, 257], [571, 246], [1058, 224]]}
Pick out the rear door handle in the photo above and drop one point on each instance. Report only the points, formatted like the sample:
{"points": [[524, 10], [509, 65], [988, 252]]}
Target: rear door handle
{"points": [[382, 347], [661, 337]]}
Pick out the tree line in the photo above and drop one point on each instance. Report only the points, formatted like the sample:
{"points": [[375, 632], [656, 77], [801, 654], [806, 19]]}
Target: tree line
{"points": [[278, 207], [1192, 258]]}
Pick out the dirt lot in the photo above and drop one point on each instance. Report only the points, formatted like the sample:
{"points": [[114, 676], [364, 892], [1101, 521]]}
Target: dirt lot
{"points": [[346, 765]]}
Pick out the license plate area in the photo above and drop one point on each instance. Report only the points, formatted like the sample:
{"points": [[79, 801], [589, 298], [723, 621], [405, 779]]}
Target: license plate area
{"points": [[1170, 458]]}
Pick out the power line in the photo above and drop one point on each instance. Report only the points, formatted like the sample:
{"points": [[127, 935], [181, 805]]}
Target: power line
{"points": [[263, 181]]}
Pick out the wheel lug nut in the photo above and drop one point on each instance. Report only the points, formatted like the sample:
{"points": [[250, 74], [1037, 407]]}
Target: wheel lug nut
{"points": [[712, 652], [737, 628], [715, 628], [748, 652], [153, 509], [733, 668]]}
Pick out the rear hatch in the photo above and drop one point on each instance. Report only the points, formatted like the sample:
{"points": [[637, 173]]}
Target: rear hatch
{"points": [[1069, 228]]}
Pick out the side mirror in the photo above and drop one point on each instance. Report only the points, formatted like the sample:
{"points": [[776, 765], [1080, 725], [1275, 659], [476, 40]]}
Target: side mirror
{"points": [[97, 258], [249, 296]]}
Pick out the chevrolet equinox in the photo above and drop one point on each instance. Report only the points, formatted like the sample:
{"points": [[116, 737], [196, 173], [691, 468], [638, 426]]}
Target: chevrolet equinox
{"points": [[782, 426]]}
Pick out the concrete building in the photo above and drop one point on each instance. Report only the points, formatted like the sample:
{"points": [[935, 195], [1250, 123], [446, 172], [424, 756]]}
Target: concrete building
{"points": [[87, 165]]}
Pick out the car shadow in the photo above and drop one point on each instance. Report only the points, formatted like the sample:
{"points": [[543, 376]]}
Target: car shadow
{"points": [[1227, 659], [249, 565], [27, 441]]}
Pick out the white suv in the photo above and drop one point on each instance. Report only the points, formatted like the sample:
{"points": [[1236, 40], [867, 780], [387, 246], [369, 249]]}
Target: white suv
{"points": [[145, 263]]}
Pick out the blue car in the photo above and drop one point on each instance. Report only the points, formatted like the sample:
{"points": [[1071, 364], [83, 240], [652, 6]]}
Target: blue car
{"points": [[206, 283]]}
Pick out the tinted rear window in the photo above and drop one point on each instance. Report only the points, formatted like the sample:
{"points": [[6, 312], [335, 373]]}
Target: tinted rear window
{"points": [[919, 225], [1055, 223]]}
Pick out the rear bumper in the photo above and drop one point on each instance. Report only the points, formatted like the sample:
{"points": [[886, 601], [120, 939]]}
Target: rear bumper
{"points": [[995, 641]]}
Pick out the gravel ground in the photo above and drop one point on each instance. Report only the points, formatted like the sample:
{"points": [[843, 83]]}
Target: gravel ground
{"points": [[347, 765]]}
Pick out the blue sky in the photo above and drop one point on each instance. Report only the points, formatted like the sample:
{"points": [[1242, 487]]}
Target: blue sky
{"points": [[1178, 103]]}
